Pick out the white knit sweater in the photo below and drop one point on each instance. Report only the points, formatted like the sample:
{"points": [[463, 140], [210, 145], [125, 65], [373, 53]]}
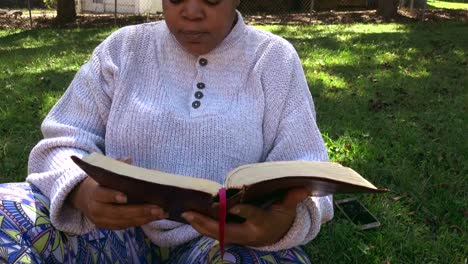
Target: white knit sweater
{"points": [[135, 98]]}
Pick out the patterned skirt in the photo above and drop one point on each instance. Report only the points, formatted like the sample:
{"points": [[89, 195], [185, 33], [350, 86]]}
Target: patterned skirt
{"points": [[27, 236]]}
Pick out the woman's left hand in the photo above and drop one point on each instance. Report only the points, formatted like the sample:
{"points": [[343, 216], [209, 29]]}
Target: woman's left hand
{"points": [[262, 227]]}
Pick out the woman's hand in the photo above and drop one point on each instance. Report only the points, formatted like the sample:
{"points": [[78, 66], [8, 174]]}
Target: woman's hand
{"points": [[262, 227], [107, 208]]}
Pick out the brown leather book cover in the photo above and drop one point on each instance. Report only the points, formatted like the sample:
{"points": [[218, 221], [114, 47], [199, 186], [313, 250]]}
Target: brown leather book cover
{"points": [[176, 196]]}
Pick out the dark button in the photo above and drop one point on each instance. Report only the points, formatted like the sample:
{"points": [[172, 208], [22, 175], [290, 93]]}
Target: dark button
{"points": [[196, 104], [199, 95], [203, 62], [200, 85]]}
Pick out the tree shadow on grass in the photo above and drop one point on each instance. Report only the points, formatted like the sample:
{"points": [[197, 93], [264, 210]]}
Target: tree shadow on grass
{"points": [[37, 66], [53, 40], [391, 105], [23, 106]]}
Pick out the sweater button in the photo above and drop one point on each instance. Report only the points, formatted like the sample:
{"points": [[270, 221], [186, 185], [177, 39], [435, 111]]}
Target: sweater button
{"points": [[200, 85], [203, 62], [196, 104], [199, 95]]}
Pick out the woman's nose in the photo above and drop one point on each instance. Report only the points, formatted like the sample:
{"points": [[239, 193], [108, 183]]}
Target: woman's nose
{"points": [[193, 9]]}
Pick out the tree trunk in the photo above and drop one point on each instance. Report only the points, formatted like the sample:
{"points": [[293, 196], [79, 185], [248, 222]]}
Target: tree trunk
{"points": [[387, 8], [66, 11]]}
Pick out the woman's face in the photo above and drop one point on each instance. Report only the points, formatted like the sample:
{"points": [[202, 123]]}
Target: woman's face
{"points": [[200, 25]]}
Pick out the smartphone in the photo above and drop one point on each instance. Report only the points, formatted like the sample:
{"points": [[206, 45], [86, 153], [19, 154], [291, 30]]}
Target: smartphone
{"points": [[357, 213]]}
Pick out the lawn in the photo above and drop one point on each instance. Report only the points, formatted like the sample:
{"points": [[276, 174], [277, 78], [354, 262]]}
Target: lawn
{"points": [[447, 4], [42, 12], [391, 103]]}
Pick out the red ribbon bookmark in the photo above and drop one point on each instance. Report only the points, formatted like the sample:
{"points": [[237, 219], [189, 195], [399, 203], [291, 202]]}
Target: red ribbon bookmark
{"points": [[222, 218]]}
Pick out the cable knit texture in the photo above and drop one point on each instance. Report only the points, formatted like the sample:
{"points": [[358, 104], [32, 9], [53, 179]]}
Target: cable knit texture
{"points": [[134, 98]]}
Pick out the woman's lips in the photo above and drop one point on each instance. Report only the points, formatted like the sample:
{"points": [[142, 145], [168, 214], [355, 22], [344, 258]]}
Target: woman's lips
{"points": [[193, 36]]}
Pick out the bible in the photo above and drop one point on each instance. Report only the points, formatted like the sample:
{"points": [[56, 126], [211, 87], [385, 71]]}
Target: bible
{"points": [[259, 184]]}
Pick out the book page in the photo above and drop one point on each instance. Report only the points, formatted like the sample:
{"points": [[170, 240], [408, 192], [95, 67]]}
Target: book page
{"points": [[254, 173], [151, 176]]}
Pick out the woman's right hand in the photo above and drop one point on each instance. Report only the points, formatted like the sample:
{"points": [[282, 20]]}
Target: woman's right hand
{"points": [[108, 209]]}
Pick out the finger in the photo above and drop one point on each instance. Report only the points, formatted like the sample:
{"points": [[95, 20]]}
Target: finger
{"points": [[252, 214], [126, 212], [126, 223], [293, 197], [107, 215], [249, 232], [127, 160], [106, 195], [136, 211], [243, 234], [203, 224]]}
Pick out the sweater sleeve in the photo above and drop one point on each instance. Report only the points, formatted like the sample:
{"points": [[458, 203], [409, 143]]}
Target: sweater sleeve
{"points": [[76, 125], [291, 133]]}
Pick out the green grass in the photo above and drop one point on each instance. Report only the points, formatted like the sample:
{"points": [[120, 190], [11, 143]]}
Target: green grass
{"points": [[391, 102], [447, 4], [49, 12], [35, 11], [36, 66]]}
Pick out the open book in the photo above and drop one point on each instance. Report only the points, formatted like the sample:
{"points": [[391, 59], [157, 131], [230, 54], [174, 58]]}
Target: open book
{"points": [[260, 184]]}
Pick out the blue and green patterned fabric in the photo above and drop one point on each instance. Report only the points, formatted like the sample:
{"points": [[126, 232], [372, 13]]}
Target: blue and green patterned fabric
{"points": [[27, 236]]}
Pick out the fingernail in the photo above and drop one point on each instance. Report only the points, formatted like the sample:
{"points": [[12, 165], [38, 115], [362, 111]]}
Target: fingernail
{"points": [[187, 217], [120, 198], [156, 212]]}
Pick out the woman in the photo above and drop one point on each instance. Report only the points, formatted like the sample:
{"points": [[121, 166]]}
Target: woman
{"points": [[199, 95]]}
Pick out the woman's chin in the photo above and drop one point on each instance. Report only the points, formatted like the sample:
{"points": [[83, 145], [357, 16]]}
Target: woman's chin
{"points": [[196, 48]]}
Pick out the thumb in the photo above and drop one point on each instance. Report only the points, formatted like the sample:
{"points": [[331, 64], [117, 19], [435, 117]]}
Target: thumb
{"points": [[249, 212], [293, 197], [127, 160]]}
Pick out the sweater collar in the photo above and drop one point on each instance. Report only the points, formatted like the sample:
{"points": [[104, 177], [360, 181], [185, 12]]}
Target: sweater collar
{"points": [[233, 37]]}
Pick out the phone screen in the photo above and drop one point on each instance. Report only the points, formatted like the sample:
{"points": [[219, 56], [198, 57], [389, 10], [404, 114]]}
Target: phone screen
{"points": [[357, 213]]}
